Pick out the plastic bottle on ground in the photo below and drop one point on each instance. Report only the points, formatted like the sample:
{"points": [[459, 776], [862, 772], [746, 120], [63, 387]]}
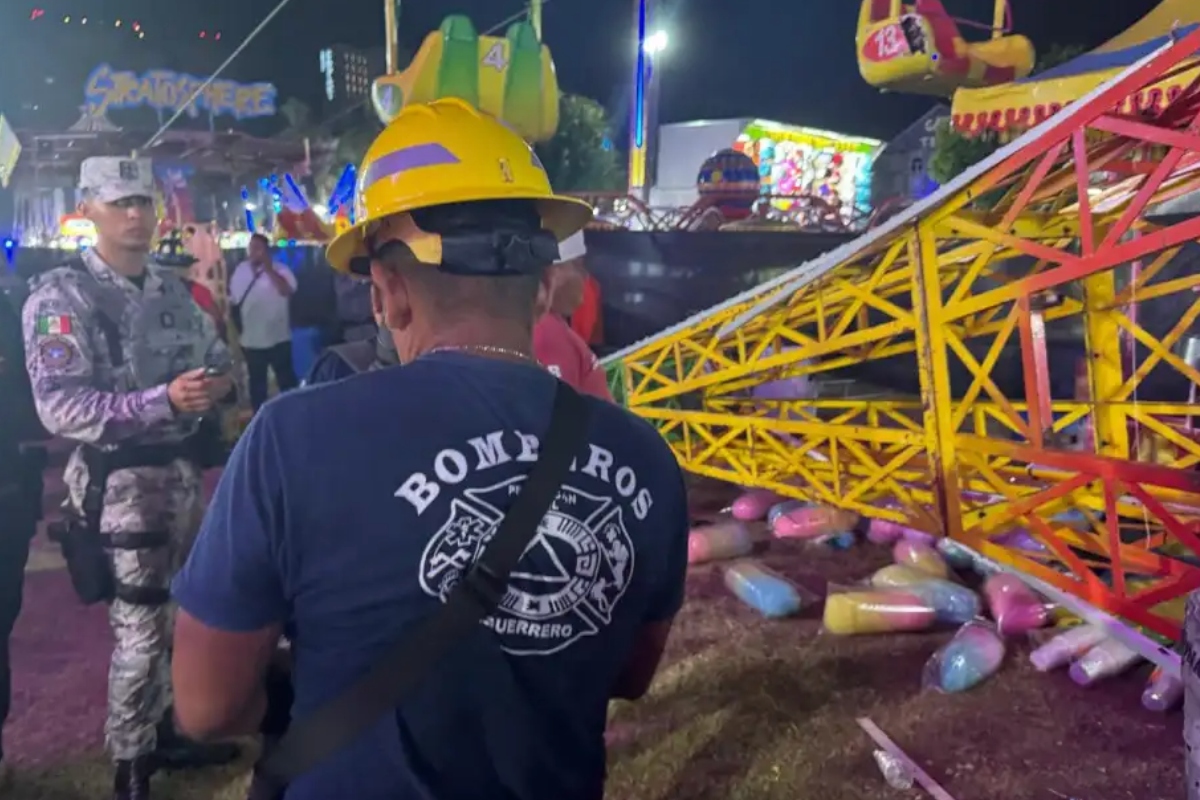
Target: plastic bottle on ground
{"points": [[895, 576], [884, 531], [780, 509], [753, 505], [1163, 692], [719, 542], [809, 523], [764, 590], [1015, 607], [971, 657], [920, 557], [953, 602], [876, 611], [1066, 647], [1106, 660]]}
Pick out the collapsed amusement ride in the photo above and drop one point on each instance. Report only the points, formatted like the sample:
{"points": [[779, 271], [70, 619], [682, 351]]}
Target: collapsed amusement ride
{"points": [[1015, 357]]}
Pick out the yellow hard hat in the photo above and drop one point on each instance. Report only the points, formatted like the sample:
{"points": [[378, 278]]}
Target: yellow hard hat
{"points": [[444, 152]]}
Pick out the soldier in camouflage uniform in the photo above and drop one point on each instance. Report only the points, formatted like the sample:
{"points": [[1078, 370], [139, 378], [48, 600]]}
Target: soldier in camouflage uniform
{"points": [[122, 361]]}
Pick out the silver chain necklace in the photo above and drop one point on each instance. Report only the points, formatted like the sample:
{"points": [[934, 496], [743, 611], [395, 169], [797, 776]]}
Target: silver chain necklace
{"points": [[485, 349]]}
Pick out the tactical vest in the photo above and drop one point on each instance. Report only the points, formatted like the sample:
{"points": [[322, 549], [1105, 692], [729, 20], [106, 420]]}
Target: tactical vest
{"points": [[155, 355], [164, 336]]}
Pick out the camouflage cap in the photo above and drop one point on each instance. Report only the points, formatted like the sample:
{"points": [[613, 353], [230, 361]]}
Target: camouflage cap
{"points": [[109, 178]]}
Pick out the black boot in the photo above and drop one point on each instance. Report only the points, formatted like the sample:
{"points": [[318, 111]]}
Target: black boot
{"points": [[178, 752], [132, 781]]}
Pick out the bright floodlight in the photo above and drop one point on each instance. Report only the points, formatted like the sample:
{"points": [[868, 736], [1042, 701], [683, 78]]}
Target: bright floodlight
{"points": [[656, 42]]}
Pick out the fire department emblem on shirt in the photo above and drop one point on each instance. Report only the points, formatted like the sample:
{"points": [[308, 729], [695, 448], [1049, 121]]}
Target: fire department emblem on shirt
{"points": [[567, 584]]}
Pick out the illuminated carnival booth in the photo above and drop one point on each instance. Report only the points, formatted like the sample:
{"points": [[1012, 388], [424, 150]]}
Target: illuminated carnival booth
{"points": [[919, 48], [795, 163], [800, 177]]}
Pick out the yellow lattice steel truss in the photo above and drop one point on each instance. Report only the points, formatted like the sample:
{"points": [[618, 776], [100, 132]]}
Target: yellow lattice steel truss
{"points": [[1052, 231]]}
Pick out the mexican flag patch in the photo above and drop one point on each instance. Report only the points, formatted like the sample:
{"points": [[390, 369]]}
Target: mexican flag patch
{"points": [[54, 325]]}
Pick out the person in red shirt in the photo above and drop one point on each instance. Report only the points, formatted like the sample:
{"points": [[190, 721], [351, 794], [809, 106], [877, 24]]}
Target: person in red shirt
{"points": [[203, 297], [587, 320], [555, 344]]}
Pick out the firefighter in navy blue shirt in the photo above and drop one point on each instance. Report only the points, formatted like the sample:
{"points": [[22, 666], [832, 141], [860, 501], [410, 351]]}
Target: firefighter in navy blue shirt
{"points": [[348, 510]]}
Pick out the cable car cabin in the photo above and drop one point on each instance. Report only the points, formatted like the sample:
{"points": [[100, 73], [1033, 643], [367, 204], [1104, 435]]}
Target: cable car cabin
{"points": [[511, 78], [919, 48]]}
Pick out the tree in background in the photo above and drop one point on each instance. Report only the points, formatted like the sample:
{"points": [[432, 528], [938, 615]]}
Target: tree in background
{"points": [[298, 116], [953, 153], [580, 157]]}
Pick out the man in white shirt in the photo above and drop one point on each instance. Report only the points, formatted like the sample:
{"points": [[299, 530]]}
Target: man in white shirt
{"points": [[261, 289]]}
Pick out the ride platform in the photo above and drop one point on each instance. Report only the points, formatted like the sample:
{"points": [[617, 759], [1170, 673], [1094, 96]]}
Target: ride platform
{"points": [[1058, 226], [1016, 106]]}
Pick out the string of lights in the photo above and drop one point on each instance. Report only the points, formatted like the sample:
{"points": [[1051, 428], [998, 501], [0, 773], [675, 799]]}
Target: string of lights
{"points": [[39, 14], [135, 27]]}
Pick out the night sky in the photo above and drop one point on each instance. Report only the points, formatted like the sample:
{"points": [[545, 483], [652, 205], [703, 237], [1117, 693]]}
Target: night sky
{"points": [[788, 60]]}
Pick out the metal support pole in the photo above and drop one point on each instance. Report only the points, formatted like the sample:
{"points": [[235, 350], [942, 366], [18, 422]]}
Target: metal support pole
{"points": [[535, 17], [933, 366], [1102, 335], [999, 17], [641, 132], [391, 35]]}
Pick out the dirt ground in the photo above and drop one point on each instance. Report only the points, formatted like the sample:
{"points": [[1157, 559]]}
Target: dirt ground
{"points": [[743, 708]]}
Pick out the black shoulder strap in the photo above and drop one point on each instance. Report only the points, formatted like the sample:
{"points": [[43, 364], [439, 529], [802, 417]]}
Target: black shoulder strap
{"points": [[108, 327], [253, 281], [359, 355], [311, 740]]}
